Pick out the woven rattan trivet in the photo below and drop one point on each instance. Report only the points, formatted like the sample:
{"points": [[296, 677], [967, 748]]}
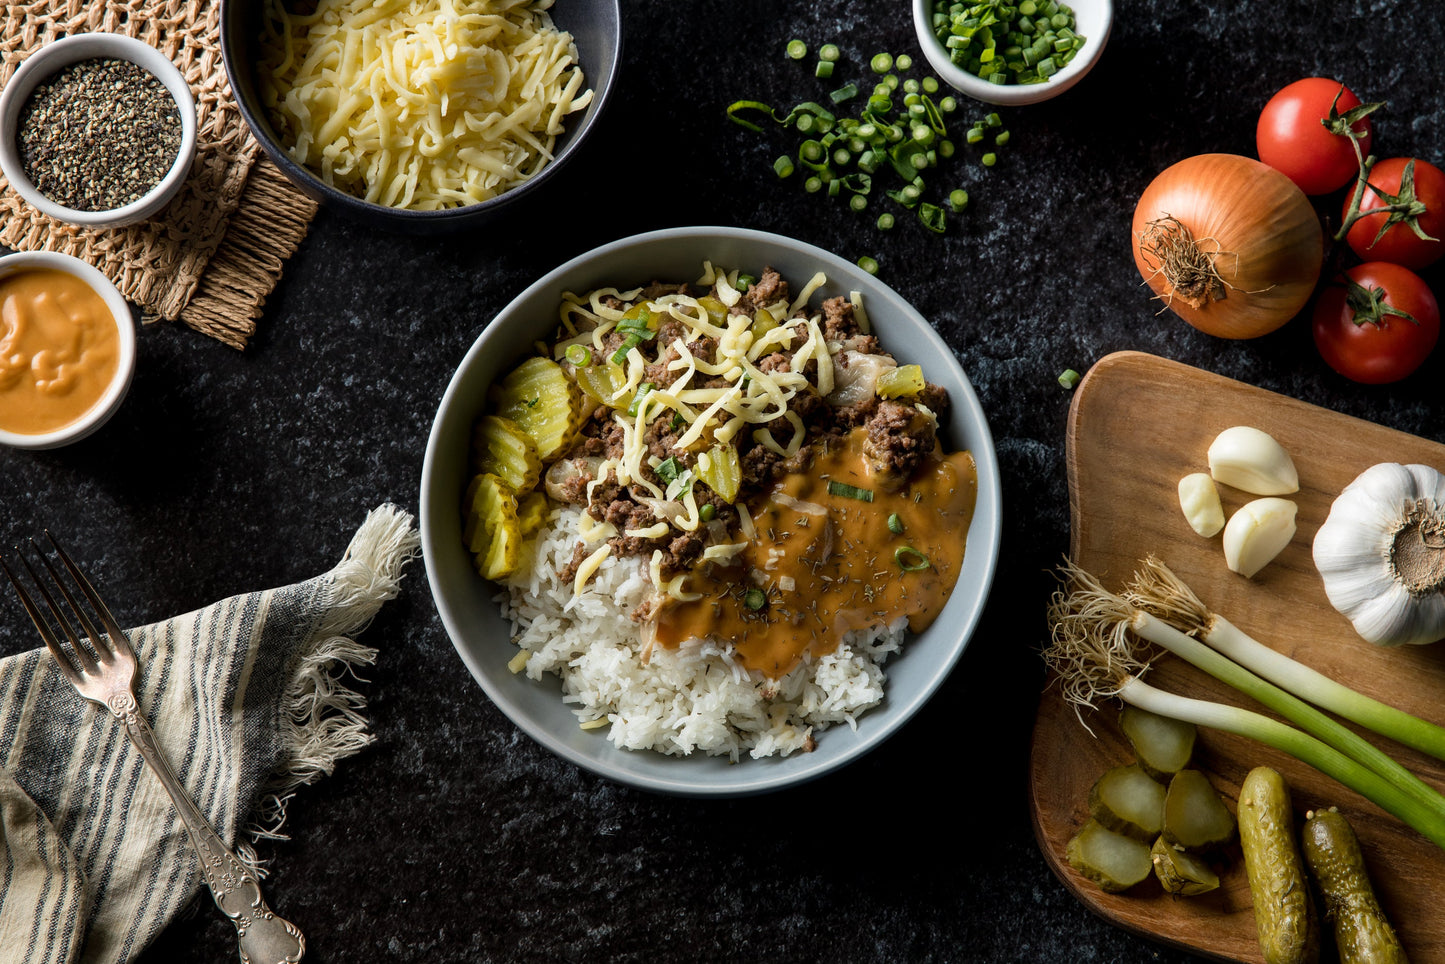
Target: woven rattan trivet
{"points": [[210, 258]]}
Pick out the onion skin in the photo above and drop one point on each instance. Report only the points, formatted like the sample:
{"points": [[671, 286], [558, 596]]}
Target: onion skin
{"points": [[1270, 243]]}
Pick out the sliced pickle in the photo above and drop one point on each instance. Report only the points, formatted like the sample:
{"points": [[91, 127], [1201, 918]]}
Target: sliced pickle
{"points": [[1195, 816], [1111, 860], [1181, 872], [1129, 801], [539, 397], [1163, 746], [503, 448]]}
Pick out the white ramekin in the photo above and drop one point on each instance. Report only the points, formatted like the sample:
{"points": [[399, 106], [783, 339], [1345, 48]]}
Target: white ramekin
{"points": [[115, 393], [62, 53]]}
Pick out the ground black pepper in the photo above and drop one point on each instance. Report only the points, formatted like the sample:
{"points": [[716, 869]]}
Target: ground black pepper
{"points": [[99, 134]]}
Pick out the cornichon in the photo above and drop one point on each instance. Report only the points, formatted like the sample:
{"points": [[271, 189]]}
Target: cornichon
{"points": [[1284, 912], [1362, 934]]}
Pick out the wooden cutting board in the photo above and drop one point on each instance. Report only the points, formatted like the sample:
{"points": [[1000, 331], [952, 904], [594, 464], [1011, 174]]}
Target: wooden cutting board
{"points": [[1137, 424]]}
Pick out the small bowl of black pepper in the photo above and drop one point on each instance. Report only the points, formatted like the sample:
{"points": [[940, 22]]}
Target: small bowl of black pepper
{"points": [[97, 130]]}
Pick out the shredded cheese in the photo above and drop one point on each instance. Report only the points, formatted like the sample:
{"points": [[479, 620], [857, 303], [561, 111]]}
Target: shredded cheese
{"points": [[420, 104]]}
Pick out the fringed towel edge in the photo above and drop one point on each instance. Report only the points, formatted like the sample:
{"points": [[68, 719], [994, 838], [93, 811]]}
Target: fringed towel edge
{"points": [[322, 714]]}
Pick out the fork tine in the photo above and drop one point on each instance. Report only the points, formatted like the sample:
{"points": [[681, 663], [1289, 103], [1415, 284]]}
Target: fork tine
{"points": [[67, 669], [118, 639], [80, 657], [97, 644]]}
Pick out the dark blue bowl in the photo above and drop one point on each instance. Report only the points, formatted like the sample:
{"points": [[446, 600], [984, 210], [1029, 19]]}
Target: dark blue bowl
{"points": [[595, 25]]}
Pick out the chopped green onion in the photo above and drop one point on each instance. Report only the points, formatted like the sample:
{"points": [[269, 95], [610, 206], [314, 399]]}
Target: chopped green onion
{"points": [[783, 166], [904, 62], [958, 199], [989, 159], [829, 52], [823, 70], [745, 281], [895, 524], [707, 512], [579, 354], [755, 599], [643, 391], [1068, 378], [868, 264], [857, 202], [1001, 139], [630, 342], [849, 491], [881, 63], [797, 50], [847, 92], [932, 217], [885, 221], [668, 469], [813, 185], [910, 559]]}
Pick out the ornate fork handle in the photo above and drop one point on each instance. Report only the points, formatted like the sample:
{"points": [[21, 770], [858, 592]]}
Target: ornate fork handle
{"points": [[264, 937]]}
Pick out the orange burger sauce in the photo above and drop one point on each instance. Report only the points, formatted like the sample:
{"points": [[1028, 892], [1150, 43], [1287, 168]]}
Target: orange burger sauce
{"points": [[59, 350], [825, 574]]}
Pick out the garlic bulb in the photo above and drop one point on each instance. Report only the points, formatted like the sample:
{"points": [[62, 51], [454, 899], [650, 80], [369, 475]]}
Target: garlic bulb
{"points": [[1381, 554]]}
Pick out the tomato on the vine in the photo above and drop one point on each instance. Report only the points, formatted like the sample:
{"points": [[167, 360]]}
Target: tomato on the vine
{"points": [[1422, 195], [1301, 133], [1376, 323]]}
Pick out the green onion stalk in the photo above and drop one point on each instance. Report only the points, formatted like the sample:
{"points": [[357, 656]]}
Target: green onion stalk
{"points": [[1428, 821], [1157, 590], [1098, 636]]}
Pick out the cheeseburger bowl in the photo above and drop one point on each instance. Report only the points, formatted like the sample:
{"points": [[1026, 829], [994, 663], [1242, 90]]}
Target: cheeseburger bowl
{"points": [[596, 30], [468, 604]]}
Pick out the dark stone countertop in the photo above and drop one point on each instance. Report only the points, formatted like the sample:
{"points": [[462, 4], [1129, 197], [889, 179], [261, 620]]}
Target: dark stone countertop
{"points": [[455, 838]]}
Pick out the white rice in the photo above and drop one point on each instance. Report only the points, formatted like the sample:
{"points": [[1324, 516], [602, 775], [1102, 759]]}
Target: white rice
{"points": [[695, 697]]}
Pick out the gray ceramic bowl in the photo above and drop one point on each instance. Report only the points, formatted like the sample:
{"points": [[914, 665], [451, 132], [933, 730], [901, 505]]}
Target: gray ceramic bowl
{"points": [[475, 624], [596, 28]]}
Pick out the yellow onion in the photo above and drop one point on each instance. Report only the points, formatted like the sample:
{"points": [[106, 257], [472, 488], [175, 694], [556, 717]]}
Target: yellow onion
{"points": [[1231, 245]]}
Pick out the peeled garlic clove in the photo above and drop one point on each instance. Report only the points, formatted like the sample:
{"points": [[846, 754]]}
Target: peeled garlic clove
{"points": [[1251, 460], [1257, 533], [1200, 501]]}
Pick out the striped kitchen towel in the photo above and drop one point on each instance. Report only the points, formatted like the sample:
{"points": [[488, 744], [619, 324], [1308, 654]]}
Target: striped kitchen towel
{"points": [[249, 700]]}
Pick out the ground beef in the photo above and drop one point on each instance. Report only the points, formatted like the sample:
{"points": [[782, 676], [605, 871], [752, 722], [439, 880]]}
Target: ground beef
{"points": [[778, 361], [851, 416], [569, 572], [661, 437], [657, 290], [574, 488], [704, 349], [765, 291], [603, 497], [899, 438], [936, 398], [682, 553], [838, 321], [758, 466]]}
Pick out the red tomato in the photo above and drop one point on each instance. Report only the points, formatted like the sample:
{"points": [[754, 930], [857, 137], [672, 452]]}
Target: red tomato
{"points": [[1292, 140], [1364, 342], [1400, 245]]}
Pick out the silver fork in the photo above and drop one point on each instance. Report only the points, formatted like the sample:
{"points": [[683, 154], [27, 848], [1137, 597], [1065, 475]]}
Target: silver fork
{"points": [[107, 677]]}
